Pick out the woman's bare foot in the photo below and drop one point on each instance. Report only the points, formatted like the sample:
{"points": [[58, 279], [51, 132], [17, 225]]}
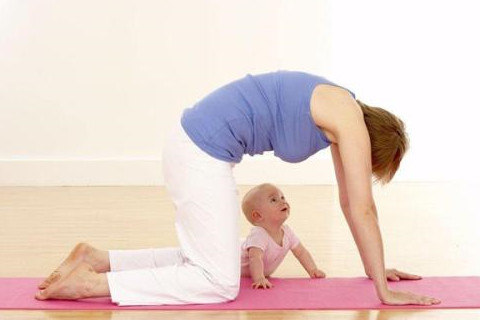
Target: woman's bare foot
{"points": [[82, 252], [82, 282]]}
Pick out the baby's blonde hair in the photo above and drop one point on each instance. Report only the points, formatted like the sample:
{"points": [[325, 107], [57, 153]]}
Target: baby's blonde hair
{"points": [[249, 201]]}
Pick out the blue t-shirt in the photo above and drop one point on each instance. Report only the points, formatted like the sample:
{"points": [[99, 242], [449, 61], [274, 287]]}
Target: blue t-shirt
{"points": [[258, 113]]}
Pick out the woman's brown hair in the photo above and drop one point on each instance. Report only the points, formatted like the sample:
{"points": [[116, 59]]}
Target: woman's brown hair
{"points": [[388, 139]]}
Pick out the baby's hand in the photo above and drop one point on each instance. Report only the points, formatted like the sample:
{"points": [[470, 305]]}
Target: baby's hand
{"points": [[262, 283], [317, 273]]}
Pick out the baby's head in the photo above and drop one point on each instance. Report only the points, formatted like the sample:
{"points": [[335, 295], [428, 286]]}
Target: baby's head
{"points": [[265, 205]]}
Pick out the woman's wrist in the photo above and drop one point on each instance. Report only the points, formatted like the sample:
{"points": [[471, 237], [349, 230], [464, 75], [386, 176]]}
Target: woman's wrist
{"points": [[380, 282], [381, 287], [369, 275]]}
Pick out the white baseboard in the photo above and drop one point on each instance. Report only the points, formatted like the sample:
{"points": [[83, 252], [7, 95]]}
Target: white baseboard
{"points": [[103, 172]]}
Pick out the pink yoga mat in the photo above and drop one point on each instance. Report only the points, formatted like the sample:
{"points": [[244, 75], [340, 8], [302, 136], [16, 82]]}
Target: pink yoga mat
{"points": [[287, 294]]}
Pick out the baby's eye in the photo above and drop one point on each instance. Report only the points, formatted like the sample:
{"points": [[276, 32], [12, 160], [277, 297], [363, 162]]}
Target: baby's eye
{"points": [[273, 199]]}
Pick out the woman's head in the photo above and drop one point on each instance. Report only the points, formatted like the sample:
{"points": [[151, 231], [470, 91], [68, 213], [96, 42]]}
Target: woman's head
{"points": [[388, 139]]}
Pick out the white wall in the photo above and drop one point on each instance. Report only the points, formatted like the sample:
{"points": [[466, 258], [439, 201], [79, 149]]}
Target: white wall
{"points": [[89, 89], [419, 59]]}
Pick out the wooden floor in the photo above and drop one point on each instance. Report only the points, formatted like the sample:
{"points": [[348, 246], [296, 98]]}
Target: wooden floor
{"points": [[428, 228]]}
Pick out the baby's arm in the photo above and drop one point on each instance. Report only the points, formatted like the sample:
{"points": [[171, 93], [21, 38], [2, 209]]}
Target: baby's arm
{"points": [[255, 257], [306, 260]]}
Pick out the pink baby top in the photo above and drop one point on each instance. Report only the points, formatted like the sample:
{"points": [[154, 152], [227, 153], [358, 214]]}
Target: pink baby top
{"points": [[273, 254]]}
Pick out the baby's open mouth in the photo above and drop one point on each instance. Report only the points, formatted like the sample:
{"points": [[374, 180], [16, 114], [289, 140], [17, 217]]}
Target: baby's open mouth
{"points": [[285, 209]]}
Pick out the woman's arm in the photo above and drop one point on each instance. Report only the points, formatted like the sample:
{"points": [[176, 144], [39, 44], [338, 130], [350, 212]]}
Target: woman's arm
{"points": [[354, 150], [335, 111], [391, 274], [342, 192], [342, 117]]}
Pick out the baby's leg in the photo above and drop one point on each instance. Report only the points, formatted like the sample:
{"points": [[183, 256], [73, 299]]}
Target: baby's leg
{"points": [[82, 252]]}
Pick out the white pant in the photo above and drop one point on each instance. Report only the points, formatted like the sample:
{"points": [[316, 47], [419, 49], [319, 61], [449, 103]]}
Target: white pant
{"points": [[206, 267]]}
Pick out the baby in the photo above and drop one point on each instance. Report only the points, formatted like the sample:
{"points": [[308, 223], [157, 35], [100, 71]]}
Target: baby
{"points": [[270, 240]]}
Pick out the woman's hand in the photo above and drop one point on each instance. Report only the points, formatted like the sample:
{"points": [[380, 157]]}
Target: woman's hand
{"points": [[399, 298], [396, 275], [262, 283]]}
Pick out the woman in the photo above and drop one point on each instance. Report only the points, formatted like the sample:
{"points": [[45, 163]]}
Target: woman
{"points": [[293, 114]]}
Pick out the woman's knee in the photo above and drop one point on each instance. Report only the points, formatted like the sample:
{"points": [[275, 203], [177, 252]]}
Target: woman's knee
{"points": [[229, 289]]}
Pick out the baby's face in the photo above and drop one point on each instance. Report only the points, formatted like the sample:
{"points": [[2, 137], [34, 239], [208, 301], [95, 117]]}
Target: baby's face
{"points": [[272, 205]]}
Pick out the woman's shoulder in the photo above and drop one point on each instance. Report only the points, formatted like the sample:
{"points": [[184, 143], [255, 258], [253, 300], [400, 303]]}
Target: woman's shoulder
{"points": [[330, 105]]}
